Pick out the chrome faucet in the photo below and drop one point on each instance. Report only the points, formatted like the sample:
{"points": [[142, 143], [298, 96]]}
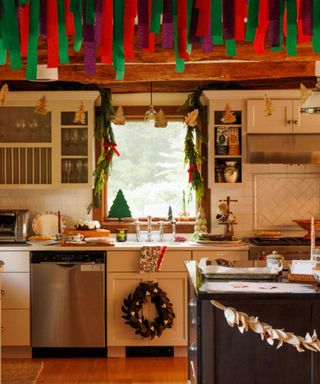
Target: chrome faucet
{"points": [[161, 230], [138, 232], [173, 223], [149, 228]]}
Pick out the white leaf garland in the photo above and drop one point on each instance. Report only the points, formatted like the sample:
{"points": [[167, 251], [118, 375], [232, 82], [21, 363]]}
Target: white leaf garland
{"points": [[244, 322]]}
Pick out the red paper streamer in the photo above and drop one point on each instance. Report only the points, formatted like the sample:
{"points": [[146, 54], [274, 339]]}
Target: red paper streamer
{"points": [[240, 14], [105, 50], [151, 34], [69, 18], [130, 12], [161, 257], [302, 38], [258, 43], [52, 25], [24, 29], [204, 7], [182, 29]]}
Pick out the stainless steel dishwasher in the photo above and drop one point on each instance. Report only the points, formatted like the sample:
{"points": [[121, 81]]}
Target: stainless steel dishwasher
{"points": [[68, 294]]}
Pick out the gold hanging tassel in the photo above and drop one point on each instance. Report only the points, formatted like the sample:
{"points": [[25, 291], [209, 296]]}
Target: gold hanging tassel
{"points": [[4, 93], [119, 118], [41, 107], [267, 106], [80, 115], [161, 120]]}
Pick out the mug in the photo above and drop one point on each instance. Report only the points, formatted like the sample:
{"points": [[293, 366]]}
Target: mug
{"points": [[275, 261], [75, 237]]}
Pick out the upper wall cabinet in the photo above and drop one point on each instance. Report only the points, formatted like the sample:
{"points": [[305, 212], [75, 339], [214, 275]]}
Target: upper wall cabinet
{"points": [[284, 117], [46, 139]]}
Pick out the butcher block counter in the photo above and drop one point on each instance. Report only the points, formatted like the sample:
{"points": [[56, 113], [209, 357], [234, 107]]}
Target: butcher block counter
{"points": [[221, 354]]}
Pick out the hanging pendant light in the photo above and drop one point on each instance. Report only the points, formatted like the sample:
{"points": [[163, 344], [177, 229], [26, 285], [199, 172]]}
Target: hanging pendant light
{"points": [[312, 104], [150, 115]]}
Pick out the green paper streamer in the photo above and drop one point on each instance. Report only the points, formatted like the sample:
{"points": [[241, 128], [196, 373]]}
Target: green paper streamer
{"points": [[231, 47], [189, 15], [63, 38], [90, 11], [75, 8], [11, 39], [278, 49], [34, 25], [156, 16], [22, 2], [3, 53], [117, 48], [179, 62], [216, 22], [291, 27], [316, 26], [252, 23]]}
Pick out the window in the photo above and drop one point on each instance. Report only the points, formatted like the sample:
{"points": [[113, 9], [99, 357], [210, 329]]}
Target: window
{"points": [[150, 170]]}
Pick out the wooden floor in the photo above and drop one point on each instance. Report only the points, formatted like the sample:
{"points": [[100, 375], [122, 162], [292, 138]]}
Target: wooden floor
{"points": [[158, 370]]}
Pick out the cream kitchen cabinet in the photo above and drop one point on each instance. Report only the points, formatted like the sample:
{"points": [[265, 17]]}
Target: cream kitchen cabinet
{"points": [[123, 277], [15, 299], [49, 147], [231, 255], [285, 118]]}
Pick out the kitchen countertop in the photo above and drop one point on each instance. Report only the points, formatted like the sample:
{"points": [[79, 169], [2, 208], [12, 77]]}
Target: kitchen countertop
{"points": [[128, 246]]}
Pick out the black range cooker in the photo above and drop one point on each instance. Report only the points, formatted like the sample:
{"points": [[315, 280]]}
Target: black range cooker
{"points": [[290, 247]]}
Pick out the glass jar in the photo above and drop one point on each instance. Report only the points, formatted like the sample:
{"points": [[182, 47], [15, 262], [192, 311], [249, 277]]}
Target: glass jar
{"points": [[121, 235]]}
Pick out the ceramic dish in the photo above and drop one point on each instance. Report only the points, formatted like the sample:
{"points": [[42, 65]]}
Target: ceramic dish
{"points": [[46, 224], [43, 242]]}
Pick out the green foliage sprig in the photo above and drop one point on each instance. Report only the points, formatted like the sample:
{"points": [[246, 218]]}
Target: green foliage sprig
{"points": [[103, 132], [132, 307], [191, 151]]}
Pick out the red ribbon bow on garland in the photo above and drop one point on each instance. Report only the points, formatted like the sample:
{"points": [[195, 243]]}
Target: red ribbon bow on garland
{"points": [[190, 170], [110, 149]]}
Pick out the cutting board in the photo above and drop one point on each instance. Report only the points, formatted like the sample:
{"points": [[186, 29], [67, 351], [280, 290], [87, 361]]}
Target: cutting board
{"points": [[84, 244], [88, 232]]}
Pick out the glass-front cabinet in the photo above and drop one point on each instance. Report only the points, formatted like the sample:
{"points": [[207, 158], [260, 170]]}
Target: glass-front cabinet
{"points": [[46, 139]]}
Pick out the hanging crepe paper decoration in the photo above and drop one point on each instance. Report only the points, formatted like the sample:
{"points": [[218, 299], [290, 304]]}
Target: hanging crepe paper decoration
{"points": [[41, 107], [80, 115], [108, 28], [4, 93], [267, 106], [191, 118], [228, 116], [119, 118], [161, 119], [305, 93], [244, 322]]}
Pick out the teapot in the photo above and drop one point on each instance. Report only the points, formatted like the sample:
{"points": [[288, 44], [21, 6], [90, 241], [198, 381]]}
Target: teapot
{"points": [[275, 261]]}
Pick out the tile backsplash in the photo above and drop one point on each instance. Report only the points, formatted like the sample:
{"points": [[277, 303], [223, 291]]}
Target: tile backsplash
{"points": [[269, 197], [72, 203]]}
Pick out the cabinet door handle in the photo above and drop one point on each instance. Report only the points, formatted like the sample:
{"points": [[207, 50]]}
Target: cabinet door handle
{"points": [[2, 329], [295, 122], [289, 121], [2, 292]]}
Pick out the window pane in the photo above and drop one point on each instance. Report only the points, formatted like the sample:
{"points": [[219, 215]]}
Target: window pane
{"points": [[150, 170]]}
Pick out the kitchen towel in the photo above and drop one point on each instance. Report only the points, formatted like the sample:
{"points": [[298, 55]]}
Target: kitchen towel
{"points": [[151, 258]]}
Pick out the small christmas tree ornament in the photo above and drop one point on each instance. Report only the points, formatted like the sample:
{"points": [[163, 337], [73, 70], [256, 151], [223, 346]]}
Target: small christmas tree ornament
{"points": [[228, 116], [119, 208], [267, 106], [191, 118], [119, 118], [80, 115], [4, 93], [41, 107], [161, 120], [200, 224], [170, 215]]}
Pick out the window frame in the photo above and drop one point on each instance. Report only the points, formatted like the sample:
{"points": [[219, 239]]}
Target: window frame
{"points": [[172, 113]]}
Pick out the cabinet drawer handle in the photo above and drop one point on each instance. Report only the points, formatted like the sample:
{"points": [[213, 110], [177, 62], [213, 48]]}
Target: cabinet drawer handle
{"points": [[289, 121], [295, 122], [2, 292], [2, 329]]}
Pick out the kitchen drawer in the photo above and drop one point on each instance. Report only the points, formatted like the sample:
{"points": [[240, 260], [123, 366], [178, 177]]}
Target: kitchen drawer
{"points": [[128, 261], [15, 290], [15, 261], [15, 327], [123, 261], [221, 254]]}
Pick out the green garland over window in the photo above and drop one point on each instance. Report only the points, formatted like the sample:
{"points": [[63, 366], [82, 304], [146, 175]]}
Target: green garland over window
{"points": [[194, 110], [104, 133]]}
